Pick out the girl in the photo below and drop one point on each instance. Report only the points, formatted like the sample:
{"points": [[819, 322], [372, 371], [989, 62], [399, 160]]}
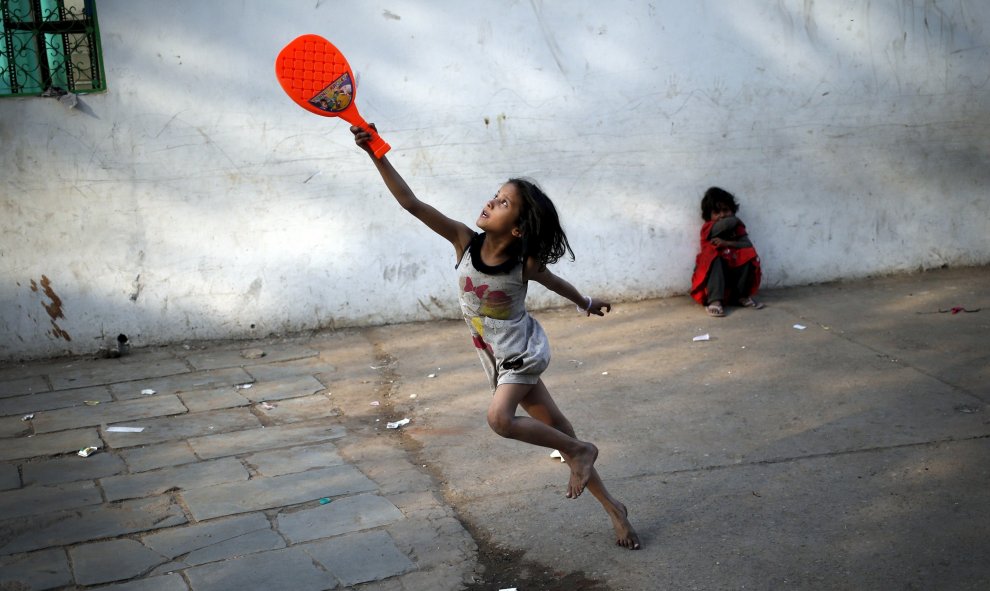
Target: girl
{"points": [[727, 266], [521, 236]]}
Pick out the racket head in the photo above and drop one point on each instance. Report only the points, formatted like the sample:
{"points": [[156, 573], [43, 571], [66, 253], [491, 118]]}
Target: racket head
{"points": [[317, 77]]}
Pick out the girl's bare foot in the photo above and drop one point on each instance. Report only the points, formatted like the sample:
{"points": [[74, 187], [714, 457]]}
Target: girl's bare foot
{"points": [[625, 535], [581, 465]]}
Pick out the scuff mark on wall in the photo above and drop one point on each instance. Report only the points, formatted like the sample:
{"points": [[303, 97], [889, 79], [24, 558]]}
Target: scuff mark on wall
{"points": [[810, 26], [254, 291], [401, 273], [548, 37], [54, 308], [137, 288]]}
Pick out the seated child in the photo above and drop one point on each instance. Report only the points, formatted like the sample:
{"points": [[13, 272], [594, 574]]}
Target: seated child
{"points": [[727, 268]]}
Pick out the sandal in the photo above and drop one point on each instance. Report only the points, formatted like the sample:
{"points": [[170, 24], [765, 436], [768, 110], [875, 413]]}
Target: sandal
{"points": [[715, 310], [751, 303]]}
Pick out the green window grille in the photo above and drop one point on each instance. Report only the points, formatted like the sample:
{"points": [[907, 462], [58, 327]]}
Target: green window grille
{"points": [[49, 47]]}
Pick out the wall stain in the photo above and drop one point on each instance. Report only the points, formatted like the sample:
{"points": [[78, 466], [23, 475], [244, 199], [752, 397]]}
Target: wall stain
{"points": [[54, 308], [137, 288]]}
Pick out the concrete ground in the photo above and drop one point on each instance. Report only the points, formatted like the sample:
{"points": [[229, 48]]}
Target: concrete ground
{"points": [[851, 454]]}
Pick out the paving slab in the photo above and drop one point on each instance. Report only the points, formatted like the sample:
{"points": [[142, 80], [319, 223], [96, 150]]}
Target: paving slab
{"points": [[360, 557], [21, 405], [215, 446], [396, 475], [197, 475], [49, 444], [278, 569], [213, 399], [16, 386], [112, 560], [71, 468], [147, 364], [14, 427], [346, 515], [277, 491], [47, 569], [276, 372], [111, 412], [34, 500], [185, 381], [216, 539], [170, 582], [9, 477], [215, 357], [183, 427], [90, 523], [294, 459], [10, 371], [157, 455], [290, 387], [436, 542], [295, 410]]}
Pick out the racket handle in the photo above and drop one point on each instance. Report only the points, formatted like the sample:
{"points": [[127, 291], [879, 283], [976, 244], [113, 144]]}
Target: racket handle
{"points": [[377, 144]]}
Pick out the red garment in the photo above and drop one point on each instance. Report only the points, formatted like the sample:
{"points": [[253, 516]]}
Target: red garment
{"points": [[733, 257]]}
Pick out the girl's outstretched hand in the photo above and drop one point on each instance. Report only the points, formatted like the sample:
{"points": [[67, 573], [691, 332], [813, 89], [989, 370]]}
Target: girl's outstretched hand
{"points": [[596, 305], [362, 137]]}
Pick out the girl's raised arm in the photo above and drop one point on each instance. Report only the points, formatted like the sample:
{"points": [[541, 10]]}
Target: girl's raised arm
{"points": [[455, 232]]}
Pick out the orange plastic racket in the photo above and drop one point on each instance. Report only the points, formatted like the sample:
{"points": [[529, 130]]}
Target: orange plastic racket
{"points": [[316, 75]]}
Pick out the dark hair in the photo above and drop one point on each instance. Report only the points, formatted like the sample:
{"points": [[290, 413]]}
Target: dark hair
{"points": [[713, 199], [542, 237]]}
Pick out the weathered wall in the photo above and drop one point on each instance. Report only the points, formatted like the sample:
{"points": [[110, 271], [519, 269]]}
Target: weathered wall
{"points": [[193, 200]]}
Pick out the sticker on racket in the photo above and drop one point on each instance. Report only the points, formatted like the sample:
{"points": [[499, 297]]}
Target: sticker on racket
{"points": [[317, 77]]}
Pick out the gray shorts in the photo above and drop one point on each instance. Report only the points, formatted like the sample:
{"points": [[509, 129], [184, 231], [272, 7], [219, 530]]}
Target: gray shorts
{"points": [[518, 351]]}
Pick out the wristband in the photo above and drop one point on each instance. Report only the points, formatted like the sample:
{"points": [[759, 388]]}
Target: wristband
{"points": [[585, 310]]}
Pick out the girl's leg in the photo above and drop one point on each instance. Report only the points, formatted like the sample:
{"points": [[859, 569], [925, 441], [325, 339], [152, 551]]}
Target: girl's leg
{"points": [[502, 419], [715, 288], [743, 284], [539, 404]]}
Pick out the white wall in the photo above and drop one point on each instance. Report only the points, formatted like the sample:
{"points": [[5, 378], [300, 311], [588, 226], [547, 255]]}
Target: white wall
{"points": [[193, 200]]}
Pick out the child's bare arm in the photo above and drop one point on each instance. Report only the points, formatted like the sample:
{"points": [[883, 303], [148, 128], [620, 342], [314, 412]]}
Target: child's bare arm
{"points": [[455, 232], [545, 277]]}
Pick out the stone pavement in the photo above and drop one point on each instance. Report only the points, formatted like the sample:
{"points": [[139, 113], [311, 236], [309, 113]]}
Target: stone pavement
{"points": [[237, 471], [853, 453]]}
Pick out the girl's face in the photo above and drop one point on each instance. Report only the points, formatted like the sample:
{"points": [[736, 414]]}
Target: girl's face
{"points": [[501, 212], [720, 211]]}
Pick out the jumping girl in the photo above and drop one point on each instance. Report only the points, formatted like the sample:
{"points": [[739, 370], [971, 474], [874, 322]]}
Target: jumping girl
{"points": [[521, 235]]}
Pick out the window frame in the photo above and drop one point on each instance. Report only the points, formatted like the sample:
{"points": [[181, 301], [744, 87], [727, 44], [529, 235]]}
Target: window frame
{"points": [[46, 45]]}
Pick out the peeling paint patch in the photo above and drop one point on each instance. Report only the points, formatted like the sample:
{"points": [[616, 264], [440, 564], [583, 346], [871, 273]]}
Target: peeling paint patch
{"points": [[58, 332], [54, 307]]}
